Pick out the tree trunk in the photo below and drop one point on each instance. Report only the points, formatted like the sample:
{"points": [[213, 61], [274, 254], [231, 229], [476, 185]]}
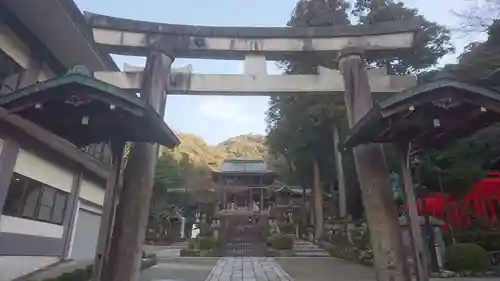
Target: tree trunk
{"points": [[333, 211], [310, 206], [318, 202], [342, 203], [389, 259], [134, 205]]}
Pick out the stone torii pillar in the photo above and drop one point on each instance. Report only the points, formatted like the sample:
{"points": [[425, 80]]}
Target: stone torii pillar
{"points": [[381, 215], [129, 229]]}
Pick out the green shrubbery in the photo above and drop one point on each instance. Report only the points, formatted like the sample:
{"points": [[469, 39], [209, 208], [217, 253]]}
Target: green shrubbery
{"points": [[201, 246], [287, 228], [202, 243], [280, 242], [189, 253], [77, 275], [488, 239], [192, 244], [357, 250], [206, 243], [342, 252], [466, 257], [84, 274]]}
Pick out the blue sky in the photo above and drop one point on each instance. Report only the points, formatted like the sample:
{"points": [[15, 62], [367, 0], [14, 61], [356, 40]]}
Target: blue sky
{"points": [[216, 118]]}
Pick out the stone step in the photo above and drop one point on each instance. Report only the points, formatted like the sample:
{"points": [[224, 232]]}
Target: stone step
{"points": [[319, 254], [309, 246], [306, 246], [308, 249]]}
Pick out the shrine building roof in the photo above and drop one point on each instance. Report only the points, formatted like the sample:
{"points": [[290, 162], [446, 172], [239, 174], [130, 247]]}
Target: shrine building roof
{"points": [[244, 166], [430, 115], [84, 110]]}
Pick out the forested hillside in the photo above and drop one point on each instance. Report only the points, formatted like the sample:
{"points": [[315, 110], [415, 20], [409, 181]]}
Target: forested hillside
{"points": [[200, 153]]}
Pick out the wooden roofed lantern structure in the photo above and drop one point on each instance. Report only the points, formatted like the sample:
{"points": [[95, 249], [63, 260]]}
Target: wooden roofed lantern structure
{"points": [[83, 110], [429, 116]]}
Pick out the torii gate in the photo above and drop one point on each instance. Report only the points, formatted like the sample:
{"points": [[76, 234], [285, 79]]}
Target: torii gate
{"points": [[162, 43]]}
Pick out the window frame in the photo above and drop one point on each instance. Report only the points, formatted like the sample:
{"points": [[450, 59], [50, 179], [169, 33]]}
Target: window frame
{"points": [[19, 210], [8, 61]]}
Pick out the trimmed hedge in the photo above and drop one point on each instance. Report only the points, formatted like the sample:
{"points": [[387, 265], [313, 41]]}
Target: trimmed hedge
{"points": [[466, 257], [189, 253], [206, 243], [202, 243], [77, 275], [84, 274], [280, 242], [488, 239]]}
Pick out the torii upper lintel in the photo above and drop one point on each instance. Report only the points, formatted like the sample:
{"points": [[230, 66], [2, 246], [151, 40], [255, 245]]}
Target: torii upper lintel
{"points": [[132, 37]]}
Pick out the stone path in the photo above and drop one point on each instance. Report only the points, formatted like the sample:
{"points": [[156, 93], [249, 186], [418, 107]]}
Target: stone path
{"points": [[303, 248], [248, 269], [265, 269], [170, 251], [173, 250], [325, 269], [179, 269]]}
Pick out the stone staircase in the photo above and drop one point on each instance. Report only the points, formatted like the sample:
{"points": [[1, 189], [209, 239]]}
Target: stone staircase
{"points": [[303, 248]]}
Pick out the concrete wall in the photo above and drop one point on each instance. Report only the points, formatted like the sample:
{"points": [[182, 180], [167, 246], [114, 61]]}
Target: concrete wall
{"points": [[92, 192], [44, 171], [30, 227]]}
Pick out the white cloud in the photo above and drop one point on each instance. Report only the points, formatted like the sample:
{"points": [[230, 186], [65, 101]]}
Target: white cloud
{"points": [[224, 109]]}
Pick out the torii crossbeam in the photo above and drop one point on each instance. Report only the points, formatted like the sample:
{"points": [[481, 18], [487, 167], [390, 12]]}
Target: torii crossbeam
{"points": [[132, 37]]}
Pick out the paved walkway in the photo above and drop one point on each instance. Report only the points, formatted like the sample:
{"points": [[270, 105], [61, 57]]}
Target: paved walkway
{"points": [[265, 269], [179, 269], [248, 269]]}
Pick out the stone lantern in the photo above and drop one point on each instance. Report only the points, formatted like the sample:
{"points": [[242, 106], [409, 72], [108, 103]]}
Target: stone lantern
{"points": [[216, 228]]}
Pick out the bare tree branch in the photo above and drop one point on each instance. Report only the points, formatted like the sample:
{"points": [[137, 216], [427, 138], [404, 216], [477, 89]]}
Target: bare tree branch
{"points": [[479, 15]]}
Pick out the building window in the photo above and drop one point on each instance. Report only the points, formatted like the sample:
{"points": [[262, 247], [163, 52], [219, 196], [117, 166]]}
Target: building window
{"points": [[31, 199], [9, 74]]}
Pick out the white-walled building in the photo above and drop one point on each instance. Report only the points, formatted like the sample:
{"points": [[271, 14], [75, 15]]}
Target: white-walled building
{"points": [[51, 193], [51, 196]]}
